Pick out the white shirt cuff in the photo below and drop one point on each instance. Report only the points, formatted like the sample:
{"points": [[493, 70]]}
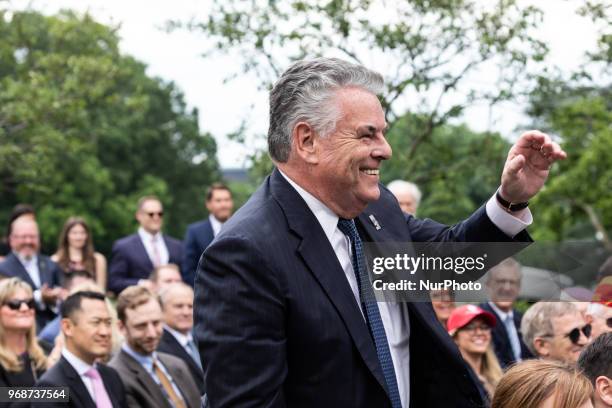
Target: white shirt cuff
{"points": [[38, 299], [508, 223]]}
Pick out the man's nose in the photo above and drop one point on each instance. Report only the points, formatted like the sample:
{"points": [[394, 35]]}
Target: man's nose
{"points": [[383, 150]]}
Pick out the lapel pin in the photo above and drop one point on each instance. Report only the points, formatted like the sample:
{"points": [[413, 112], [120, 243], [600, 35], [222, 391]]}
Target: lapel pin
{"points": [[374, 222]]}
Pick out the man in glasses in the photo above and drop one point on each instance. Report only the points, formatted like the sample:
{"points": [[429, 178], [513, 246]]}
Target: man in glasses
{"points": [[134, 257], [599, 315], [503, 284], [555, 331], [39, 271]]}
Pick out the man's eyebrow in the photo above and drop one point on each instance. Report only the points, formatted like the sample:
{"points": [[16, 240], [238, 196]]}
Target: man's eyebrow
{"points": [[372, 128]]}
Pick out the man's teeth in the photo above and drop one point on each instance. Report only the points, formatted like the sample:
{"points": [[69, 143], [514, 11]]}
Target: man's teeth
{"points": [[372, 172]]}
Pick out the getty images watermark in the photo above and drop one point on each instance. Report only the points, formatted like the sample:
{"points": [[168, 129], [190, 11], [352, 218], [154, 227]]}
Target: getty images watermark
{"points": [[406, 264]]}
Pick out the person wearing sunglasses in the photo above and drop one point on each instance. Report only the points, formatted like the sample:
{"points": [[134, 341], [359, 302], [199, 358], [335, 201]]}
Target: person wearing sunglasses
{"points": [[599, 315], [134, 257], [470, 327], [22, 360], [555, 331]]}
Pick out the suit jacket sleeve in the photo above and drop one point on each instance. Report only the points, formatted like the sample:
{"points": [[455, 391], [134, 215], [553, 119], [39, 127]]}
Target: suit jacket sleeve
{"points": [[190, 256], [117, 271], [477, 228], [240, 326]]}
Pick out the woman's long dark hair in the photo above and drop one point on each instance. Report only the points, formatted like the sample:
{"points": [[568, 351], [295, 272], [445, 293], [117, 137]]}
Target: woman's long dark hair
{"points": [[88, 252]]}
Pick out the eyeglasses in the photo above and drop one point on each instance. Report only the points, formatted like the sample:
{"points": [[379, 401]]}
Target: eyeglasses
{"points": [[15, 304], [574, 335], [153, 214], [473, 327], [609, 322]]}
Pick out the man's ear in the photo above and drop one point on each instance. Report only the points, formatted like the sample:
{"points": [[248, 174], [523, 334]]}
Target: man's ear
{"points": [[305, 142], [603, 389], [542, 346], [121, 328], [67, 326]]}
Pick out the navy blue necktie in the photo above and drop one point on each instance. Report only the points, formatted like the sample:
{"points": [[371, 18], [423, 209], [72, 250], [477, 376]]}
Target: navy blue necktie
{"points": [[370, 307]]}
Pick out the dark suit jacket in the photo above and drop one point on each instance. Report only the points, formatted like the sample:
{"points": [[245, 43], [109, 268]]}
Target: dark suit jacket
{"points": [[62, 374], [130, 261], [141, 389], [277, 323], [197, 238], [501, 342], [50, 273], [169, 344]]}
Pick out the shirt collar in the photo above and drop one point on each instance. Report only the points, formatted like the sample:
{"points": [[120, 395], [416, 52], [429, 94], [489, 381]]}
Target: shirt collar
{"points": [[146, 236], [79, 365], [326, 217], [26, 262], [215, 223], [183, 339], [501, 313], [144, 360]]}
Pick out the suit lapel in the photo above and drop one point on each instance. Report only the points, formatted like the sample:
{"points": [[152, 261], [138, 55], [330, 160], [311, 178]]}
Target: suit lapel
{"points": [[321, 260], [108, 380], [179, 351], [144, 379], [144, 255], [20, 270], [78, 391]]}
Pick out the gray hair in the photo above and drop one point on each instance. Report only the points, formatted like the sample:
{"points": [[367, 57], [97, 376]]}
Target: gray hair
{"points": [[402, 185], [302, 94], [537, 321], [168, 291]]}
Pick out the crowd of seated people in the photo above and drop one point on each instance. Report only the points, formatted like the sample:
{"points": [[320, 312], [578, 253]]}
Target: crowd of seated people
{"points": [[136, 348]]}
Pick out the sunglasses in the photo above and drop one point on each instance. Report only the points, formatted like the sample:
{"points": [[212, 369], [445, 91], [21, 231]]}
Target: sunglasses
{"points": [[153, 214], [16, 303], [574, 335], [609, 322]]}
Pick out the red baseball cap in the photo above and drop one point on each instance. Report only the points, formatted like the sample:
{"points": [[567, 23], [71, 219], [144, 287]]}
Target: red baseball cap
{"points": [[463, 315]]}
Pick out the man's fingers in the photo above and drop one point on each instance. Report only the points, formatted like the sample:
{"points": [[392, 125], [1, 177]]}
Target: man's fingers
{"points": [[533, 138], [516, 164]]}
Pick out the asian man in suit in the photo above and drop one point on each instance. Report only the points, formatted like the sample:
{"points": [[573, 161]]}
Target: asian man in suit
{"points": [[86, 325], [134, 257], [281, 316]]}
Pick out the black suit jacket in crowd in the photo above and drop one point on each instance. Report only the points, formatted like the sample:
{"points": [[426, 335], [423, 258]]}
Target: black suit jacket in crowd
{"points": [[50, 274], [197, 238], [130, 261], [169, 344], [62, 374], [278, 325], [501, 342]]}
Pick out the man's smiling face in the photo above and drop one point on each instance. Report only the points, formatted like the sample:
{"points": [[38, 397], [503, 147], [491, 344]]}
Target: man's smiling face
{"points": [[350, 157]]}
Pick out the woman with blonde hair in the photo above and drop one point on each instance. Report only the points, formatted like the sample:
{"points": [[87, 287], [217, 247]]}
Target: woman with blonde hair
{"points": [[470, 327], [75, 251], [543, 384], [22, 360]]}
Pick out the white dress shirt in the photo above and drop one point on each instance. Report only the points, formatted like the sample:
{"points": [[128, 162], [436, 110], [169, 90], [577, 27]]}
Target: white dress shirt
{"points": [[81, 368], [31, 267], [215, 224], [513, 337], [147, 240], [394, 315]]}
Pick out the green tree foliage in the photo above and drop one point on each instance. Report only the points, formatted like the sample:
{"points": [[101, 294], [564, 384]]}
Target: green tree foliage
{"points": [[577, 203], [84, 130], [456, 168], [430, 53]]}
